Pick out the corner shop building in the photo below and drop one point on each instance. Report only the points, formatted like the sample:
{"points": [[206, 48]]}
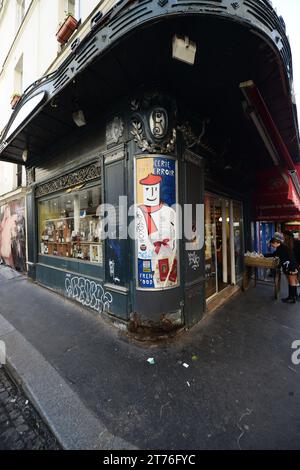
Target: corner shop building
{"points": [[196, 133]]}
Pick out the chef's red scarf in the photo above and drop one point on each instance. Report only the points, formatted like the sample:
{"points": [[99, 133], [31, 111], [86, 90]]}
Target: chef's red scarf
{"points": [[147, 210], [159, 244]]}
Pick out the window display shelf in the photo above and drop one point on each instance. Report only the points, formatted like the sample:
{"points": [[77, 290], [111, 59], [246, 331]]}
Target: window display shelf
{"points": [[69, 227], [80, 250], [61, 219], [78, 242]]}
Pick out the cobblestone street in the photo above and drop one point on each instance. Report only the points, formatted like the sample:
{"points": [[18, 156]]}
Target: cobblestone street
{"points": [[20, 425]]}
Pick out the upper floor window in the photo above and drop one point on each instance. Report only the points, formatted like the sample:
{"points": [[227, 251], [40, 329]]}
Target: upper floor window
{"points": [[72, 7], [77, 9], [20, 13]]}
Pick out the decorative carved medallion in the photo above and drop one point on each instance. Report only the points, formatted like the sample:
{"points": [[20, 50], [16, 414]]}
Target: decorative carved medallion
{"points": [[114, 131], [151, 147], [82, 175], [153, 123], [158, 123]]}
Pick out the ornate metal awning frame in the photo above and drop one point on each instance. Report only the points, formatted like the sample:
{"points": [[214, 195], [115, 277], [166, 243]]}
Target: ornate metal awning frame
{"points": [[258, 15]]}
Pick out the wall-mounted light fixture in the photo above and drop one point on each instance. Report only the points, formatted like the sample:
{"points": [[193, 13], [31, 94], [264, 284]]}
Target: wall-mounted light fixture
{"points": [[183, 49], [25, 155], [54, 103], [79, 118], [77, 114]]}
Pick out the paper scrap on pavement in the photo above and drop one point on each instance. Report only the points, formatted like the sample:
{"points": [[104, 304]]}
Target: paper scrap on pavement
{"points": [[151, 360]]}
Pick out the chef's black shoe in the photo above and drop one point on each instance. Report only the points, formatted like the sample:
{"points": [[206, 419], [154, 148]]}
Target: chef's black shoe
{"points": [[289, 300]]}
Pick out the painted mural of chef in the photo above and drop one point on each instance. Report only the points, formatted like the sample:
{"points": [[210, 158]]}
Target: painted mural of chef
{"points": [[156, 230]]}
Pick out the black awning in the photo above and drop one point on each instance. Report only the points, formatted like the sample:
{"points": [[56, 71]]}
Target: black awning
{"points": [[44, 113]]}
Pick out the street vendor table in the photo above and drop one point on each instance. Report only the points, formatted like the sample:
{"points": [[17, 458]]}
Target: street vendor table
{"points": [[261, 263]]}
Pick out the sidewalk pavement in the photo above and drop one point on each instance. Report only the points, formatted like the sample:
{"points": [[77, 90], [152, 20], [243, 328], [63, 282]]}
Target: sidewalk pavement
{"points": [[95, 389]]}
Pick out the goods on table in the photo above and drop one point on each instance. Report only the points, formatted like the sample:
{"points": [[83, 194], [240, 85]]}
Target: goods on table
{"points": [[254, 254], [258, 260]]}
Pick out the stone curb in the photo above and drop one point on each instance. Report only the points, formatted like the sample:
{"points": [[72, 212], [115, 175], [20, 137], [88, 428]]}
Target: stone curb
{"points": [[73, 424]]}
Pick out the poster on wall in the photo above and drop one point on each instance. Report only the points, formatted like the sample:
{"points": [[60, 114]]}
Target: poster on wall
{"points": [[12, 235], [156, 222]]}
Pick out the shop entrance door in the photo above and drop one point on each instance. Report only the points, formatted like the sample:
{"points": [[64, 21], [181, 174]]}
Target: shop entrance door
{"points": [[223, 243]]}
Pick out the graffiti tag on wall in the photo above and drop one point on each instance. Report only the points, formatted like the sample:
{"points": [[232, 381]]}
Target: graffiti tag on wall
{"points": [[88, 293], [12, 235], [194, 260]]}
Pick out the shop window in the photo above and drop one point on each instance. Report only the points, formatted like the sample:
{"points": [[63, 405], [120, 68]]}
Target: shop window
{"points": [[69, 225], [71, 7]]}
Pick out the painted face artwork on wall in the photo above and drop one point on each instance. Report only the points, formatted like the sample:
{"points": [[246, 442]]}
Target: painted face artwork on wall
{"points": [[151, 191], [156, 224], [12, 235]]}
